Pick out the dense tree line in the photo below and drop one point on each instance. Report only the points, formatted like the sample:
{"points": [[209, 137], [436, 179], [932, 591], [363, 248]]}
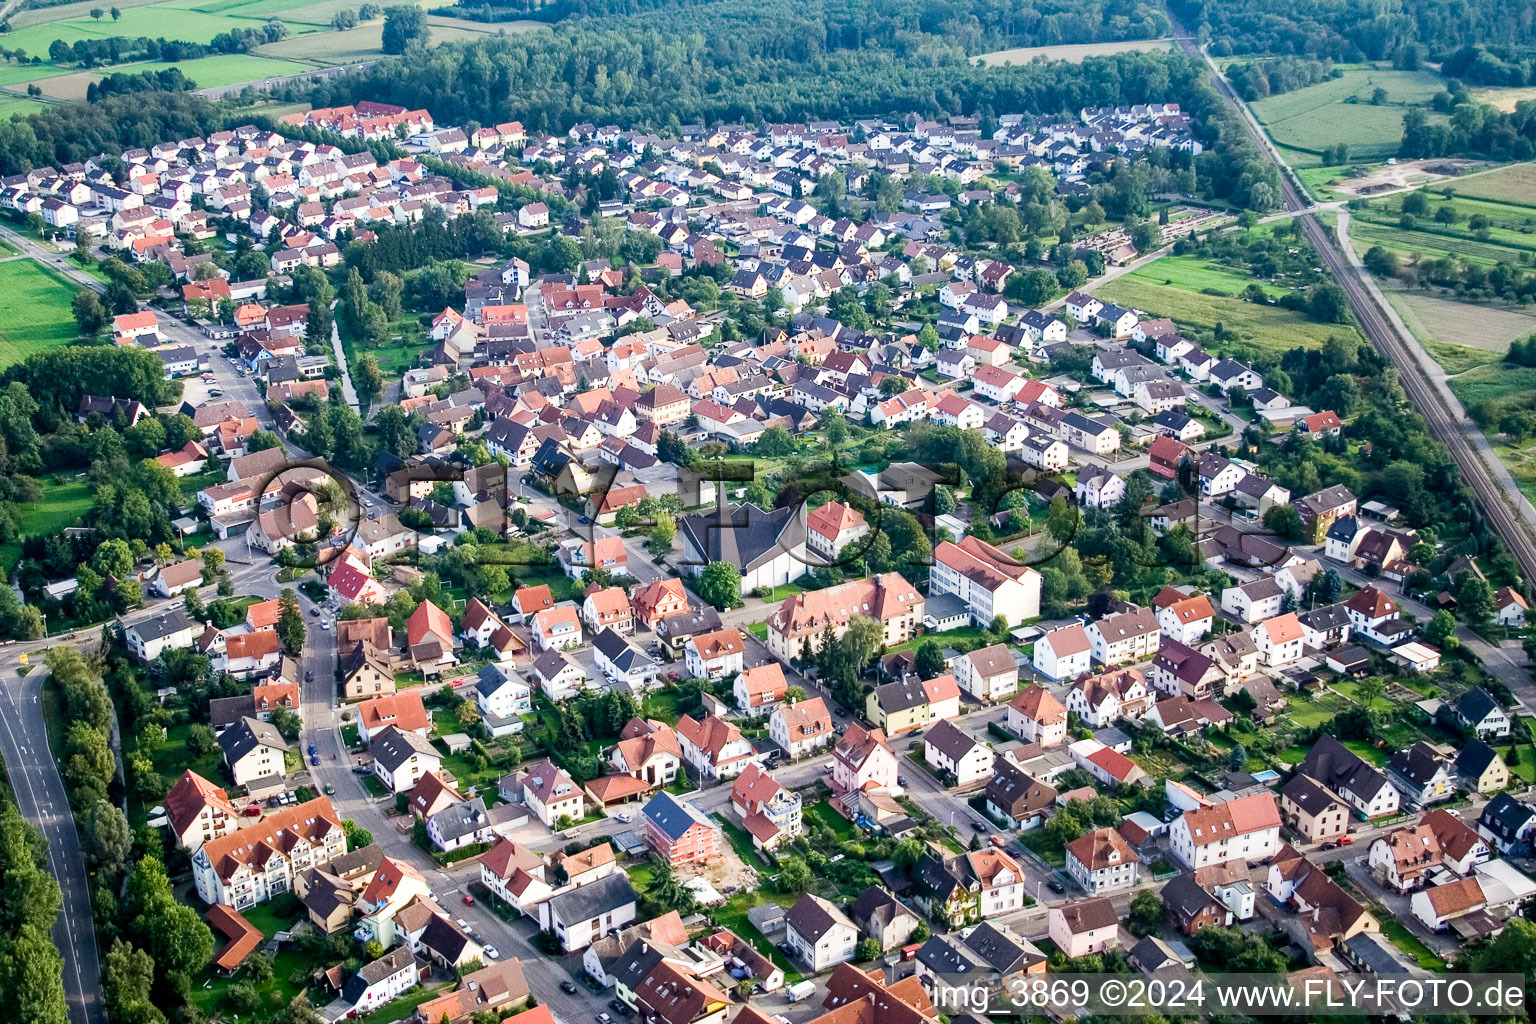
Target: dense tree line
{"points": [[1256, 79], [1354, 30], [98, 52], [852, 24], [1492, 65], [124, 84], [31, 969], [1474, 129], [70, 132]]}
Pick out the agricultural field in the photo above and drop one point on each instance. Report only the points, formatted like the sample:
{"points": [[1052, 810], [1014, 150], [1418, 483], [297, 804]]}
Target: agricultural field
{"points": [[11, 105], [1505, 99], [1509, 238], [1515, 184], [207, 72], [1173, 287], [1492, 382], [1305, 121], [310, 43], [34, 310], [1070, 52], [1461, 335]]}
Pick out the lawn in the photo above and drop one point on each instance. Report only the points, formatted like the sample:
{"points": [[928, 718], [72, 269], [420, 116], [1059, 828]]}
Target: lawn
{"points": [[62, 504], [1521, 463], [1074, 52], [1307, 714], [34, 310], [1409, 943], [1340, 110], [1267, 326], [405, 1007], [733, 915], [822, 813], [1194, 274], [965, 633]]}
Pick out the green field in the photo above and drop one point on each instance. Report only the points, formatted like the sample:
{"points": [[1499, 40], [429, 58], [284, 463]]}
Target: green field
{"points": [[1460, 335], [34, 310], [62, 504], [1515, 184], [1269, 327], [1307, 120], [11, 105], [310, 37], [1192, 273], [1494, 381]]}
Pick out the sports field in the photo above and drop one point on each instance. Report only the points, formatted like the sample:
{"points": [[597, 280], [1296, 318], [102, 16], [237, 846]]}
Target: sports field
{"points": [[1071, 52], [34, 310], [1305, 121]]}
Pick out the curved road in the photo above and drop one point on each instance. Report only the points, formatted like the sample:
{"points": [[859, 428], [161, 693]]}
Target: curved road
{"points": [[1446, 420]]}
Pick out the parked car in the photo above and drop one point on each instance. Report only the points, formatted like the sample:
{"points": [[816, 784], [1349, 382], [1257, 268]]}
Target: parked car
{"points": [[1055, 887], [568, 987], [619, 1007], [1346, 840], [491, 952], [314, 759], [469, 900], [330, 790]]}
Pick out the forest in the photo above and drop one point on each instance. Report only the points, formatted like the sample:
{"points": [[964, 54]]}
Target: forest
{"points": [[1354, 30], [734, 61], [854, 24]]}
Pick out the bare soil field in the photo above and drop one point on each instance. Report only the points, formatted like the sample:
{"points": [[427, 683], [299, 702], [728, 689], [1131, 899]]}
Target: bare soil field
{"points": [[1071, 52]]}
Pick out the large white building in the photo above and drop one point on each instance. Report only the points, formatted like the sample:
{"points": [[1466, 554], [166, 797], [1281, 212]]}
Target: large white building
{"points": [[253, 864], [987, 581]]}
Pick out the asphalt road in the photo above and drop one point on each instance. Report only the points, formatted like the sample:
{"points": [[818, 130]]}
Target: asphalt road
{"points": [[34, 776]]}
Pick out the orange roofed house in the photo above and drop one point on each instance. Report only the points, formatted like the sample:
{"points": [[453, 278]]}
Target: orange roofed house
{"points": [[429, 638], [802, 618], [253, 864]]}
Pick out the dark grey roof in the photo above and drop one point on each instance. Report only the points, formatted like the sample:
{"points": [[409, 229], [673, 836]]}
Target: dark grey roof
{"points": [[458, 820], [1341, 769], [1475, 758], [392, 748], [813, 917], [248, 734], [594, 899], [173, 621], [1476, 704], [743, 535], [1505, 816], [551, 663], [1184, 896], [691, 622], [900, 695], [226, 711], [1002, 951], [1368, 950], [444, 938], [1325, 619], [877, 905], [391, 963], [1418, 765], [1308, 794], [950, 740], [673, 816]]}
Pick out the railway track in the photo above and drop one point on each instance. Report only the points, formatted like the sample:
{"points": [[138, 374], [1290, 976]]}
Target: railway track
{"points": [[1445, 425]]}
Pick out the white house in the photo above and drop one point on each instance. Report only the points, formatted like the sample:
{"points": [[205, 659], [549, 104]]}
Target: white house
{"points": [[503, 699], [1247, 828], [1035, 716], [820, 934], [948, 749], [1101, 861], [989, 674], [1063, 653]]}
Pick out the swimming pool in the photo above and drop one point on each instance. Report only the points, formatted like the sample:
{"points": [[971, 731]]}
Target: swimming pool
{"points": [[1266, 776]]}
